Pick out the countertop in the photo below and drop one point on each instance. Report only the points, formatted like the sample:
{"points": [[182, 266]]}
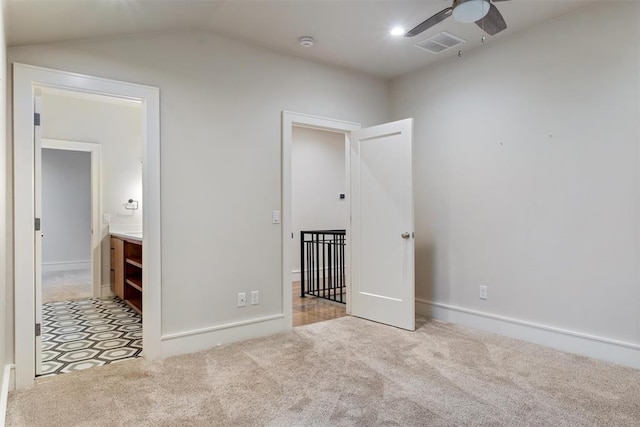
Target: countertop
{"points": [[129, 235]]}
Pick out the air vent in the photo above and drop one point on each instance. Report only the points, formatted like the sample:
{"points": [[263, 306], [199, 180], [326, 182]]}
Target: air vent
{"points": [[440, 42]]}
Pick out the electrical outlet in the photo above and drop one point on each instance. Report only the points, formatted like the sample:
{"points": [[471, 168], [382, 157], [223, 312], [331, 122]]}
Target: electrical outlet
{"points": [[255, 297], [242, 299], [483, 292]]}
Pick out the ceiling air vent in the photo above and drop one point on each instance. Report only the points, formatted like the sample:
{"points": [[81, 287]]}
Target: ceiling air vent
{"points": [[440, 42]]}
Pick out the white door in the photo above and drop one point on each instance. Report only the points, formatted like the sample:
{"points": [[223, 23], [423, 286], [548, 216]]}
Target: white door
{"points": [[382, 243], [37, 141]]}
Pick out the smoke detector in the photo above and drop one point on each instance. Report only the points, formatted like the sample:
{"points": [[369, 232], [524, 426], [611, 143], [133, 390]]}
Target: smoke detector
{"points": [[306, 41]]}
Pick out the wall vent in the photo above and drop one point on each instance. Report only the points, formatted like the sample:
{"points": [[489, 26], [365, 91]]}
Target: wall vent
{"points": [[440, 42]]}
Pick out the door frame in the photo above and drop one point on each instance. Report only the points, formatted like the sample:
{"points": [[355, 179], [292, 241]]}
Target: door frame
{"points": [[25, 80], [97, 229], [289, 120]]}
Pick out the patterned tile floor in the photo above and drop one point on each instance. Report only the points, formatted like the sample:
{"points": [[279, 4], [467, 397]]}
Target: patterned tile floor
{"points": [[87, 333]]}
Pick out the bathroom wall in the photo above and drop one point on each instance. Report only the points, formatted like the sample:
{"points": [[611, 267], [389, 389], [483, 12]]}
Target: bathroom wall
{"points": [[117, 126]]}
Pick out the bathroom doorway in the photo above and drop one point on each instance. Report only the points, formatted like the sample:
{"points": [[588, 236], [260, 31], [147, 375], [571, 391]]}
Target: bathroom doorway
{"points": [[66, 217], [26, 79], [82, 191]]}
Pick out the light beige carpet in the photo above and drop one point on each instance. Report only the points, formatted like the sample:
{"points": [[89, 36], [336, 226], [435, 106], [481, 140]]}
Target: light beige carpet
{"points": [[344, 372], [68, 285]]}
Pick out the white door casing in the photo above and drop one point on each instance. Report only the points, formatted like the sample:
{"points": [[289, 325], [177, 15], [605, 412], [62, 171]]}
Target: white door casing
{"points": [[38, 234], [382, 226], [25, 79]]}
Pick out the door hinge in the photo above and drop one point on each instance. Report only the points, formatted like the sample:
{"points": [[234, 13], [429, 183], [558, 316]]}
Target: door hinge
{"points": [[38, 329], [37, 224], [36, 119]]}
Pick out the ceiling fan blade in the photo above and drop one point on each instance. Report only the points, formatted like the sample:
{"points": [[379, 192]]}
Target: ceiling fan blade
{"points": [[430, 22], [493, 22]]}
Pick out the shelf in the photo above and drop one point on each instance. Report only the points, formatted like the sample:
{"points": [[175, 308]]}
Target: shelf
{"points": [[131, 266], [135, 283], [135, 304], [134, 261]]}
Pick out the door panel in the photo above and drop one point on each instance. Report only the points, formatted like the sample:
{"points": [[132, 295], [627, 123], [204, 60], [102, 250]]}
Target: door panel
{"points": [[382, 224]]}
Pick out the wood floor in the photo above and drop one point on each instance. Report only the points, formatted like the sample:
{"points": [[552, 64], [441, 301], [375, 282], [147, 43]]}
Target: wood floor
{"points": [[311, 309]]}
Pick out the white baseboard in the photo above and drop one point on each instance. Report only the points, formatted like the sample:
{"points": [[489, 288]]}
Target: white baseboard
{"points": [[295, 275], [4, 392], [620, 352], [105, 291], [65, 266], [202, 339]]}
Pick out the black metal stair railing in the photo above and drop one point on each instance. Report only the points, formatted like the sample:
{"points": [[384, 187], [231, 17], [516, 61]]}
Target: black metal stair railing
{"points": [[322, 264]]}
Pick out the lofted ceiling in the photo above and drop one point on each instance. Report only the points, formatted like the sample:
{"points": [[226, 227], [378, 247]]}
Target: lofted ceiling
{"points": [[348, 33]]}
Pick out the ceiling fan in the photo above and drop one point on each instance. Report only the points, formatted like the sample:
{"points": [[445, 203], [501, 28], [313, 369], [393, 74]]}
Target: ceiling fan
{"points": [[482, 12]]}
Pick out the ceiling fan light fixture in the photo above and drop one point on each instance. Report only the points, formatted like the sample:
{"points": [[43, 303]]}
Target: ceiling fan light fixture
{"points": [[467, 11]]}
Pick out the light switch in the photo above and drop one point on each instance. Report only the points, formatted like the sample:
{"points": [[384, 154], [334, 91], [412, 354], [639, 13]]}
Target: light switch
{"points": [[106, 218], [275, 217]]}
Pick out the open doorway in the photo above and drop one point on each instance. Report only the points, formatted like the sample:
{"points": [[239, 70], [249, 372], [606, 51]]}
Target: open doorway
{"points": [[331, 131], [26, 80], [82, 198], [319, 218], [66, 216]]}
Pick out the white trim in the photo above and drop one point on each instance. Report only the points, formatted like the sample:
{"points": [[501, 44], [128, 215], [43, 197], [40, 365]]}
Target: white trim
{"points": [[105, 291], [4, 394], [602, 348], [97, 228], [205, 338], [25, 78], [65, 266], [289, 120]]}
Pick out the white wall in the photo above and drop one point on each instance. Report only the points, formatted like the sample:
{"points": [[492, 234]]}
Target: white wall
{"points": [[221, 104], [66, 208], [118, 127], [318, 178], [527, 174]]}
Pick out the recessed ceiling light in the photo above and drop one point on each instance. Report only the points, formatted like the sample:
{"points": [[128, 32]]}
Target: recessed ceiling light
{"points": [[397, 31]]}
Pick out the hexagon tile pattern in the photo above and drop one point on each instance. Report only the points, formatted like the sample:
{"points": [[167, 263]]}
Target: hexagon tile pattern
{"points": [[86, 333]]}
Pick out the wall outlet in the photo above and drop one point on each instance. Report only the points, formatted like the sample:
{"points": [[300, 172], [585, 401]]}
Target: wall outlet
{"points": [[242, 299], [483, 292], [255, 297]]}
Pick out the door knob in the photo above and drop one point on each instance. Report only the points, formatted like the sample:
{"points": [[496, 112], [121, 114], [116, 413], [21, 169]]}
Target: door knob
{"points": [[405, 235]]}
